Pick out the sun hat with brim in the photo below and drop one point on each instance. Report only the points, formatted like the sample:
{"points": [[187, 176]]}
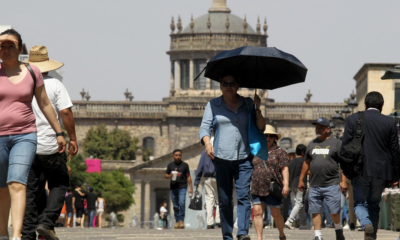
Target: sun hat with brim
{"points": [[9, 38], [269, 129], [39, 57]]}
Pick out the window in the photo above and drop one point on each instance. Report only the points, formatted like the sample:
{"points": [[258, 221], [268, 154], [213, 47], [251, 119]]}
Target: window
{"points": [[286, 143], [397, 97], [200, 83], [185, 74], [148, 145]]}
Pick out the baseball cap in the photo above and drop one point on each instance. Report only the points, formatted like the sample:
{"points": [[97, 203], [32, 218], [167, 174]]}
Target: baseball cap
{"points": [[322, 121], [90, 188]]}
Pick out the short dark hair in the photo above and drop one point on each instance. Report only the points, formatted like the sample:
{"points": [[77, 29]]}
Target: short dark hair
{"points": [[300, 149], [14, 33], [69, 189], [374, 100], [176, 150], [235, 77], [79, 185], [99, 194]]}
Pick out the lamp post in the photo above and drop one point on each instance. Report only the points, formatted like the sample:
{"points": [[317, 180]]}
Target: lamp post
{"points": [[345, 111], [352, 103], [337, 119]]}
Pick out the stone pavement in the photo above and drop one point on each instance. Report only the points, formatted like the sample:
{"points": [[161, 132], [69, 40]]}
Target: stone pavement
{"points": [[152, 234]]}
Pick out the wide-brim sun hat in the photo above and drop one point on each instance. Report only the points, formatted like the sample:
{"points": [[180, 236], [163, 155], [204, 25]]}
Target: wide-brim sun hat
{"points": [[39, 57], [269, 129]]}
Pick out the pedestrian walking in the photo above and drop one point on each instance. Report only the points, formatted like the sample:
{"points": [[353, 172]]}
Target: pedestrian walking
{"points": [[77, 202], [322, 161], [228, 117], [163, 222], [100, 208], [206, 169], [178, 172], [68, 203], [18, 138], [48, 161], [297, 196], [91, 199], [380, 161], [275, 169]]}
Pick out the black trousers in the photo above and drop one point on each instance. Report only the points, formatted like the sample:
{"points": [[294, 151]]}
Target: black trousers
{"points": [[53, 169]]}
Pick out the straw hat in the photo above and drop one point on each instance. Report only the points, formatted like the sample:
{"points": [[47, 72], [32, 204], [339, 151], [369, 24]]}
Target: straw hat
{"points": [[39, 57], [269, 129]]}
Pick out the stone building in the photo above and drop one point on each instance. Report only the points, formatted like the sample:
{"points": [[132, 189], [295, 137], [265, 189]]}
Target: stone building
{"points": [[174, 122]]}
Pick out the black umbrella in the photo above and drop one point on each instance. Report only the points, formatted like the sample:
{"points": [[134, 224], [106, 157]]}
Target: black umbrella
{"points": [[257, 67]]}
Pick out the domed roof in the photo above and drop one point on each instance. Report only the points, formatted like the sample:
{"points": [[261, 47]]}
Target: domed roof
{"points": [[218, 20]]}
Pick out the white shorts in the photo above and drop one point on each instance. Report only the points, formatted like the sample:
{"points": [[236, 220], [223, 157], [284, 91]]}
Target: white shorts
{"points": [[99, 212]]}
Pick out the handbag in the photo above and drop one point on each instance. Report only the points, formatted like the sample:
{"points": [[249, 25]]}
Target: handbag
{"points": [[257, 140], [274, 188], [196, 202], [33, 77]]}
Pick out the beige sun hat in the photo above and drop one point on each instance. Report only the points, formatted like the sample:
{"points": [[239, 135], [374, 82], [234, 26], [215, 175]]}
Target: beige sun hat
{"points": [[39, 57], [269, 129]]}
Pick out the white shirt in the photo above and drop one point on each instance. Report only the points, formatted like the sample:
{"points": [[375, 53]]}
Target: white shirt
{"points": [[163, 210], [60, 100]]}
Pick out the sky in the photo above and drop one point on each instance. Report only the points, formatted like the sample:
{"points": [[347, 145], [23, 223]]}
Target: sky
{"points": [[108, 46]]}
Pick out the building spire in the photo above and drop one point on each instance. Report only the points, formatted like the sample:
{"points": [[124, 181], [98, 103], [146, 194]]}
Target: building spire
{"points": [[179, 25], [265, 26], [227, 24], [245, 24], [258, 25], [209, 24], [219, 6], [191, 24], [172, 25]]}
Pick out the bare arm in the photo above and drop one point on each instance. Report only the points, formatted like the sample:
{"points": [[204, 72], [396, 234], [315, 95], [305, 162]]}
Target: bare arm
{"points": [[48, 111], [189, 178], [285, 174], [168, 176], [304, 169], [73, 204], [260, 119], [69, 124], [343, 184]]}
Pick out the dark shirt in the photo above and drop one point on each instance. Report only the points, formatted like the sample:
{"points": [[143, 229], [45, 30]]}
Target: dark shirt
{"points": [[181, 180], [206, 168], [294, 172], [68, 203], [91, 201], [78, 200], [324, 165]]}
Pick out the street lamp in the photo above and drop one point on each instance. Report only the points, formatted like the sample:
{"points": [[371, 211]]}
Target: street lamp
{"points": [[345, 111], [352, 103], [337, 119]]}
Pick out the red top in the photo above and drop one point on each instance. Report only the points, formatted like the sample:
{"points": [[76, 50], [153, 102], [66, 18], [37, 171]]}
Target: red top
{"points": [[16, 115]]}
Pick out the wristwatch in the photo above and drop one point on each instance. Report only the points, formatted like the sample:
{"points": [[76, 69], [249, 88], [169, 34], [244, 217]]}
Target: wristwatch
{"points": [[60, 134]]}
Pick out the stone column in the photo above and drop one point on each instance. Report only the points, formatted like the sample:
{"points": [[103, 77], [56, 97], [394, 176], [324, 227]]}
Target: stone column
{"points": [[137, 196], [172, 88], [147, 200], [178, 75], [191, 73]]}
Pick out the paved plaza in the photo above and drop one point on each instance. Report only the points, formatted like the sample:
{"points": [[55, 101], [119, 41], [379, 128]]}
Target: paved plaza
{"points": [[133, 233]]}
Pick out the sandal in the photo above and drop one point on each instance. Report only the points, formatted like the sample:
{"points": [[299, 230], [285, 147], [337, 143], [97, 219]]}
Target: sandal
{"points": [[282, 238]]}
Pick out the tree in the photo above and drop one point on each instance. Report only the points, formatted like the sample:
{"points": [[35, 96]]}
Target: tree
{"points": [[79, 173], [147, 152], [114, 145], [117, 189]]}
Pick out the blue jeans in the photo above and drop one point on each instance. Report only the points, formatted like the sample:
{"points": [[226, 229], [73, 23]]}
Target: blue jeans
{"points": [[16, 156], [239, 171], [92, 213], [178, 197], [367, 193]]}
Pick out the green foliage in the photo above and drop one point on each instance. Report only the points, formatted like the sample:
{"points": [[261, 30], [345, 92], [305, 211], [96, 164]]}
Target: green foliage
{"points": [[114, 145], [117, 189], [147, 152], [79, 173]]}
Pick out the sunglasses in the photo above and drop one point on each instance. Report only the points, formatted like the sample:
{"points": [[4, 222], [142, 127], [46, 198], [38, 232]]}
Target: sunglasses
{"points": [[270, 135], [227, 84]]}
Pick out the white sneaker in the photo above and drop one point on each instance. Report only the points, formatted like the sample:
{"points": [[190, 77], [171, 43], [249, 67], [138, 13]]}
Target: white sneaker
{"points": [[267, 227], [346, 227], [289, 225], [304, 227], [159, 228]]}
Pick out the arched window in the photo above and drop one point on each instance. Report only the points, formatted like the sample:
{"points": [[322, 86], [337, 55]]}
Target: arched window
{"points": [[185, 74], [200, 83], [148, 144], [286, 143]]}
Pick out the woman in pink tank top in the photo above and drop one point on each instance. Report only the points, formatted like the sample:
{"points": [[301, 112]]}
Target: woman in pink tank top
{"points": [[18, 130]]}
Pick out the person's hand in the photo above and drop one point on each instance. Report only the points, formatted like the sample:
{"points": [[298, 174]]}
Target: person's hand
{"points": [[210, 151], [347, 196], [343, 187], [72, 148], [69, 170], [191, 191], [61, 144], [301, 186], [395, 184], [285, 191], [257, 100], [74, 210]]}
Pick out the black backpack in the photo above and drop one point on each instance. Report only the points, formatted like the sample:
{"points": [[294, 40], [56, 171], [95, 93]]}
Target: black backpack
{"points": [[350, 156]]}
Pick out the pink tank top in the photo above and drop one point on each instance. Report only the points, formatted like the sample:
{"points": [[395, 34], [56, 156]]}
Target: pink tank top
{"points": [[16, 115]]}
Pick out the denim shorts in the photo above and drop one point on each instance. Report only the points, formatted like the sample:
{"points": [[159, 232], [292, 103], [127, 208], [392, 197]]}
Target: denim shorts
{"points": [[69, 215], [16, 156], [269, 200], [332, 196]]}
